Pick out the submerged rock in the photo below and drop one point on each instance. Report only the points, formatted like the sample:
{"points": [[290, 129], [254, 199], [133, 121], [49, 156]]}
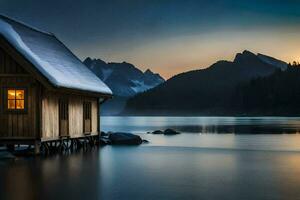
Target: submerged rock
{"points": [[157, 132], [145, 141], [125, 139], [166, 132], [170, 132]]}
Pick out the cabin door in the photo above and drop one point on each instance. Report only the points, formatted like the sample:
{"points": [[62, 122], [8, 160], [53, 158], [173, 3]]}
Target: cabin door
{"points": [[63, 118], [87, 116]]}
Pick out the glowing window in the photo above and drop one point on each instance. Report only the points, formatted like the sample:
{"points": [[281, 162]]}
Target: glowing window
{"points": [[15, 99]]}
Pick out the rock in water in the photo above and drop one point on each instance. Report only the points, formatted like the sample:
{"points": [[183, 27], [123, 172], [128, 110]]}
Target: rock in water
{"points": [[104, 134], [158, 132], [170, 132], [125, 139], [145, 141]]}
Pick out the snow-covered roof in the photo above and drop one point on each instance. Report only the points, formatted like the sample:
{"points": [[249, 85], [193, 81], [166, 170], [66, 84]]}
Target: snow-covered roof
{"points": [[51, 57]]}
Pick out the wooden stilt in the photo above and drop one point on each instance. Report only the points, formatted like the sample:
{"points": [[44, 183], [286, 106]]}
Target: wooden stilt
{"points": [[63, 145], [72, 144], [37, 147]]}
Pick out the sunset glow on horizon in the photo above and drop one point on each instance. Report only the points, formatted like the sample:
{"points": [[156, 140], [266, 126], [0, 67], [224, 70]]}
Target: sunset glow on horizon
{"points": [[168, 37]]}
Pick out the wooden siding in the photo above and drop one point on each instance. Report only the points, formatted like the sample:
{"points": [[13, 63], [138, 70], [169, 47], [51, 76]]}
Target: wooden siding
{"points": [[76, 116], [17, 124], [50, 114], [9, 66], [40, 120], [94, 116]]}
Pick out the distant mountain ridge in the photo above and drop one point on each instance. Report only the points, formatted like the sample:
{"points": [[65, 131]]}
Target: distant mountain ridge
{"points": [[124, 79], [204, 91]]}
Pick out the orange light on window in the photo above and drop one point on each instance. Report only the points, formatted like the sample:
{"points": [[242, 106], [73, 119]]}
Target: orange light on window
{"points": [[11, 94], [11, 104], [19, 104], [19, 94], [15, 99]]}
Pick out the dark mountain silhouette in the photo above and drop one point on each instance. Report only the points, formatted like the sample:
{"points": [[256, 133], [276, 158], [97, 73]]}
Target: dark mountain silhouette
{"points": [[124, 79], [277, 94], [205, 91], [273, 61]]}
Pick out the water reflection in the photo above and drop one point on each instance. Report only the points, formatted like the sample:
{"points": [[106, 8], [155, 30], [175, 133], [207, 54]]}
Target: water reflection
{"points": [[184, 166], [237, 125], [58, 177], [156, 172], [193, 173]]}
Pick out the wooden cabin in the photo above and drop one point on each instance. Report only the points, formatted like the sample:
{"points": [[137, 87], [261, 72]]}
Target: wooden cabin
{"points": [[46, 92]]}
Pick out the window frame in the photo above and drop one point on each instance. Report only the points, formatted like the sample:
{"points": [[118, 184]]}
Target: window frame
{"points": [[5, 101], [87, 110], [63, 106], [87, 115], [63, 115]]}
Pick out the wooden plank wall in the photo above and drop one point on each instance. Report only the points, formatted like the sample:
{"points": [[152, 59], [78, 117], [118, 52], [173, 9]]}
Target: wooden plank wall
{"points": [[94, 116], [17, 125], [50, 123], [8, 65], [50, 114], [76, 116]]}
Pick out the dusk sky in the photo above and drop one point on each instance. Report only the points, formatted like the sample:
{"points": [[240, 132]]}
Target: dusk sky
{"points": [[166, 36]]}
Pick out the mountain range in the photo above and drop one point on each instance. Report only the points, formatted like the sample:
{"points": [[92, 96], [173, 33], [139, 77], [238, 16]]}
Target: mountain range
{"points": [[124, 79], [205, 91]]}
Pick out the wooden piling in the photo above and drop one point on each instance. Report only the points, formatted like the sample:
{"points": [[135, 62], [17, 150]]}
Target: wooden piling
{"points": [[37, 147]]}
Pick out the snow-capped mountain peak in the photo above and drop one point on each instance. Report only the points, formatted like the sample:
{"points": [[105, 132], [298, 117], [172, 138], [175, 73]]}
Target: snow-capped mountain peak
{"points": [[124, 78]]}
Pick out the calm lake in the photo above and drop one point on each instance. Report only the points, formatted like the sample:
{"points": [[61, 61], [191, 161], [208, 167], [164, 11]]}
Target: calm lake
{"points": [[206, 161]]}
